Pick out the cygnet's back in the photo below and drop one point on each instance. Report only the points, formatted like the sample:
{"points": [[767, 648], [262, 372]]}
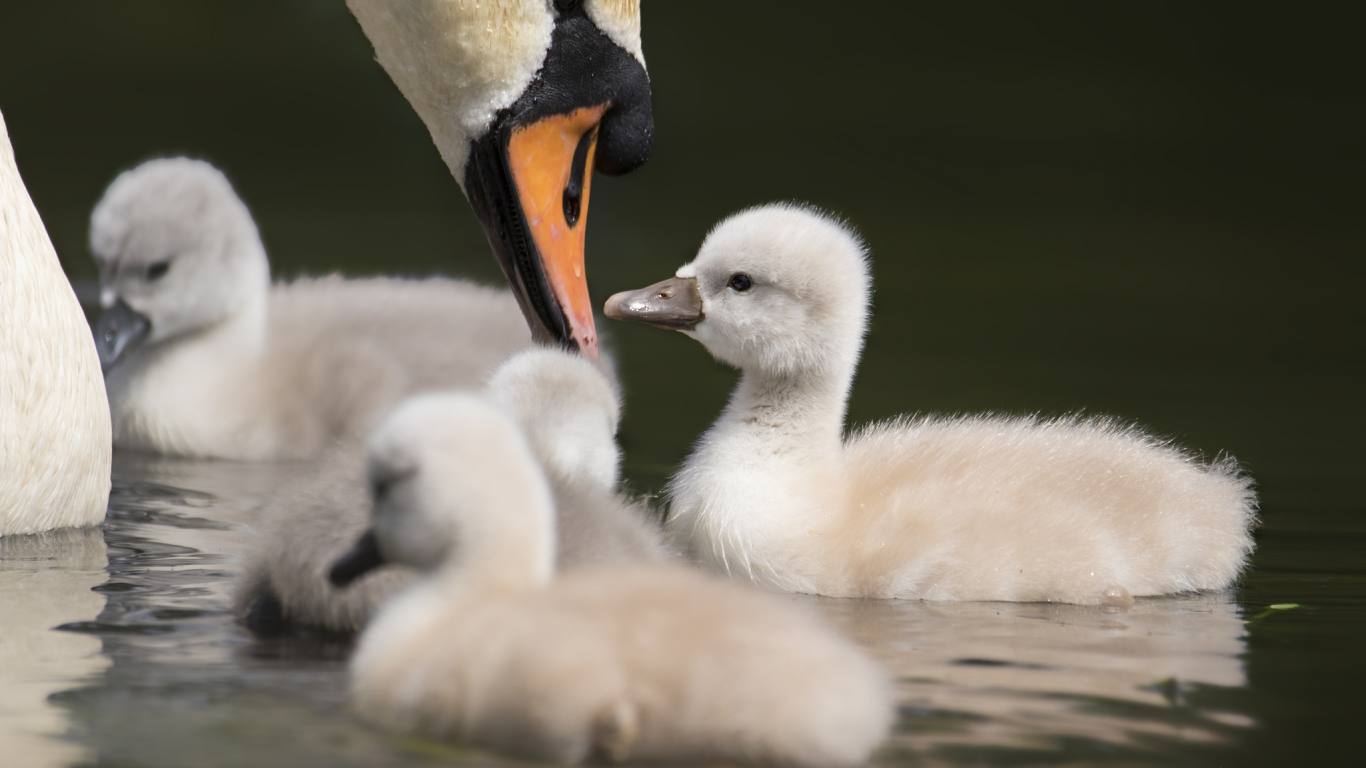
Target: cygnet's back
{"points": [[644, 662], [569, 409], [203, 357]]}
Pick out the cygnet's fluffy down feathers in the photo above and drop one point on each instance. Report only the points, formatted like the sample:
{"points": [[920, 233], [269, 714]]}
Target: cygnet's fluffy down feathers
{"points": [[985, 508], [337, 355], [626, 662], [283, 582], [305, 531], [235, 368], [699, 669], [979, 508]]}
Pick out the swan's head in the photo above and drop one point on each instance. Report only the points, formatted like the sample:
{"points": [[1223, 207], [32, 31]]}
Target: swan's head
{"points": [[177, 252], [524, 99], [780, 289], [569, 410], [455, 483]]}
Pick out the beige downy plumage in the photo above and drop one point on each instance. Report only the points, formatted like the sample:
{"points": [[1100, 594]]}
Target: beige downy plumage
{"points": [[972, 508], [645, 662], [206, 358], [524, 101], [569, 410], [55, 446]]}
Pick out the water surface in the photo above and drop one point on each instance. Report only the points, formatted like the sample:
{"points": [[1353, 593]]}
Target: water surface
{"points": [[133, 659], [1151, 210]]}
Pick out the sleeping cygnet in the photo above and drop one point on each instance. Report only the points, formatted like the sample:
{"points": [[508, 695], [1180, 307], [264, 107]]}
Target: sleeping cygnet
{"points": [[569, 410], [974, 508], [204, 357], [645, 662]]}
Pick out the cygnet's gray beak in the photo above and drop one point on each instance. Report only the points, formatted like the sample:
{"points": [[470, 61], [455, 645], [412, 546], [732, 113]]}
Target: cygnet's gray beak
{"points": [[674, 304], [363, 558], [118, 331]]}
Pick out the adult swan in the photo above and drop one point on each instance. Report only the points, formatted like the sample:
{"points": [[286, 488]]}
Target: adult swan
{"points": [[524, 98], [55, 439]]}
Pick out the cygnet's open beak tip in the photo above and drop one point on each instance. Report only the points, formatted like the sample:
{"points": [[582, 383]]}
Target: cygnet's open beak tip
{"points": [[674, 304]]}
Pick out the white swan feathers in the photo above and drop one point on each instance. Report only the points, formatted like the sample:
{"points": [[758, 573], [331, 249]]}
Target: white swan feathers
{"points": [[641, 662], [55, 446], [205, 358], [973, 508], [459, 63]]}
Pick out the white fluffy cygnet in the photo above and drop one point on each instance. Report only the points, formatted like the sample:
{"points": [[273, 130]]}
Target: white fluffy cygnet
{"points": [[646, 663], [55, 449], [204, 357], [975, 508], [569, 410]]}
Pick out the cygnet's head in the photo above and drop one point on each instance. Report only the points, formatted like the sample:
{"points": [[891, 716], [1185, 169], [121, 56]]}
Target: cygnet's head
{"points": [[177, 251], [781, 289], [454, 482], [569, 410]]}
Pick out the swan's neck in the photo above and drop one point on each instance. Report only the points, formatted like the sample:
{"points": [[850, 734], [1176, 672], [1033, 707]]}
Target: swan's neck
{"points": [[201, 356], [795, 414], [765, 473]]}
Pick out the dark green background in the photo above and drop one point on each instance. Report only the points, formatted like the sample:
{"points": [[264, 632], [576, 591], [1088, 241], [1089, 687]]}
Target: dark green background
{"points": [[1145, 209]]}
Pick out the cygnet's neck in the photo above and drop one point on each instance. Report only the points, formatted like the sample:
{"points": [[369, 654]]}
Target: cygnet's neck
{"points": [[798, 413], [225, 343], [192, 391]]}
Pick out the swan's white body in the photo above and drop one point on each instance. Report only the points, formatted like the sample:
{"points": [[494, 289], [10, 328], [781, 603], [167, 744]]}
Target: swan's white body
{"points": [[236, 368], [55, 446], [569, 411], [976, 508], [647, 663]]}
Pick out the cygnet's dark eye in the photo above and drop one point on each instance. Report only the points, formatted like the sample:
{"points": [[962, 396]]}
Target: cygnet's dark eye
{"points": [[158, 270], [740, 282]]}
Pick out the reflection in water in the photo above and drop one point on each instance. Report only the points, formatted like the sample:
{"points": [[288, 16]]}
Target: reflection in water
{"points": [[976, 682], [45, 580], [986, 677]]}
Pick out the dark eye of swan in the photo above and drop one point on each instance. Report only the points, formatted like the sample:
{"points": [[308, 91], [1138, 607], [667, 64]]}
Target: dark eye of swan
{"points": [[740, 282], [158, 270]]}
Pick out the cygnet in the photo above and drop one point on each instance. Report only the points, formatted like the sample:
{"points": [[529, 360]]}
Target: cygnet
{"points": [[204, 357], [569, 409], [975, 508], [646, 663]]}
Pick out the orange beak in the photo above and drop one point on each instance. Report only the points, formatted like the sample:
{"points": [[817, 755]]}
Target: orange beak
{"points": [[551, 164]]}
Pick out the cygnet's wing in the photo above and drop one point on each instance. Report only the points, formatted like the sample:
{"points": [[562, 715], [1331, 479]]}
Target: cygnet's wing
{"points": [[302, 534]]}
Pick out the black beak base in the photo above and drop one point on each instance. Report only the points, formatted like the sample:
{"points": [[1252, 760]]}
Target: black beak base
{"points": [[488, 182], [583, 68], [363, 558]]}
